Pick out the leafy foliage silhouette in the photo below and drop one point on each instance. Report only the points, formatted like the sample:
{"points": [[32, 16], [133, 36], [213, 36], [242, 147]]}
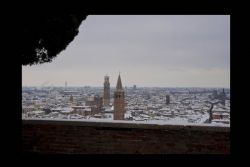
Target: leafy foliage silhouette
{"points": [[42, 37]]}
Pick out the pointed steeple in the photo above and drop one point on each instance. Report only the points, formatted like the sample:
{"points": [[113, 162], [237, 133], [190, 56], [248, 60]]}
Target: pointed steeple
{"points": [[119, 83], [119, 101]]}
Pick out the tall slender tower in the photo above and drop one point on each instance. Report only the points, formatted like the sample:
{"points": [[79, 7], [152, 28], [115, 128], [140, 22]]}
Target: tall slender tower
{"points": [[167, 99], [106, 92], [66, 84], [119, 105]]}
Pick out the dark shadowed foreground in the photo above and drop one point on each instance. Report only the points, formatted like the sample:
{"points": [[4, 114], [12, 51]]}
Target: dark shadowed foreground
{"points": [[77, 137]]}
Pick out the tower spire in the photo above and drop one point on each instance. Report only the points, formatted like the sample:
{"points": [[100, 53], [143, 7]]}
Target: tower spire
{"points": [[119, 83]]}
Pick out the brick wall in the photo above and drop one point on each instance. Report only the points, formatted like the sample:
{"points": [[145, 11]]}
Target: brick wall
{"points": [[50, 136]]}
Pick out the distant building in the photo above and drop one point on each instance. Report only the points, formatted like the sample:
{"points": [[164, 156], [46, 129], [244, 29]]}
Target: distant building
{"points": [[96, 103], [28, 109], [68, 93], [119, 101], [106, 92], [83, 110], [66, 84], [167, 99], [215, 93], [71, 98], [222, 97], [134, 87]]}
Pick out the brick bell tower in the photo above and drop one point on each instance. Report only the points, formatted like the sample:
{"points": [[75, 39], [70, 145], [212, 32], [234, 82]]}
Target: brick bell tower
{"points": [[106, 92], [119, 105]]}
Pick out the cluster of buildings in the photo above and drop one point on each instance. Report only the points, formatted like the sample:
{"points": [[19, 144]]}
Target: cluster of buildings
{"points": [[61, 103], [164, 105]]}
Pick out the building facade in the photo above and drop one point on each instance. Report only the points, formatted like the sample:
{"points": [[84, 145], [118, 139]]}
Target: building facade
{"points": [[95, 103]]}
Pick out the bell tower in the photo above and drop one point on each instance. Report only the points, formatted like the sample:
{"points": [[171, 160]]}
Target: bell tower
{"points": [[106, 92], [119, 105]]}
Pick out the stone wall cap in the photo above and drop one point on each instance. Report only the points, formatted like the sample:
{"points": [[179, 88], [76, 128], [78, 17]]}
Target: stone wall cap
{"points": [[128, 124]]}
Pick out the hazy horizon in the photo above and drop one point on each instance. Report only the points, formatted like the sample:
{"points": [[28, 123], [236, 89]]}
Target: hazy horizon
{"points": [[149, 51]]}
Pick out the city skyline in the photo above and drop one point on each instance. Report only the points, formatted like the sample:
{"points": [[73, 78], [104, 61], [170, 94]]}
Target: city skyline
{"points": [[149, 51]]}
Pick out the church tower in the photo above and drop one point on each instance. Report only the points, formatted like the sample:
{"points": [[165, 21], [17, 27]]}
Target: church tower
{"points": [[106, 92], [119, 105]]}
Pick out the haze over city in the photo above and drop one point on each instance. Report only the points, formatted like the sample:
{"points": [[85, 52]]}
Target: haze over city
{"points": [[151, 51]]}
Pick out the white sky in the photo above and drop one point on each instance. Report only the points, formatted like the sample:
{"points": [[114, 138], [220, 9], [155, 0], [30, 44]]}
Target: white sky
{"points": [[148, 50]]}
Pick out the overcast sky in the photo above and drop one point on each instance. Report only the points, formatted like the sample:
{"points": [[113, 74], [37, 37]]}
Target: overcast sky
{"points": [[149, 50]]}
